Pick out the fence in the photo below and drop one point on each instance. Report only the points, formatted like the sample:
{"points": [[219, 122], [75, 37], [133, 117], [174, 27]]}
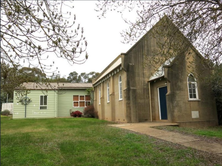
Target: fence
{"points": [[7, 106]]}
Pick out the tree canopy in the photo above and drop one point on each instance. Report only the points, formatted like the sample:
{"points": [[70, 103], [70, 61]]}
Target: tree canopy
{"points": [[82, 77], [12, 77], [36, 31]]}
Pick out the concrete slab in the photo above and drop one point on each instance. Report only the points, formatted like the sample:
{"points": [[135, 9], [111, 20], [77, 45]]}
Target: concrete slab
{"points": [[182, 139]]}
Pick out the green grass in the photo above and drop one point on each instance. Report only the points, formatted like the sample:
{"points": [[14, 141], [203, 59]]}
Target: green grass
{"points": [[85, 142], [4, 116], [215, 132]]}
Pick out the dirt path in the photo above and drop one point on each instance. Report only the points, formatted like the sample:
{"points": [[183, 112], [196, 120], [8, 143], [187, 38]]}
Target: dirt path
{"points": [[174, 137]]}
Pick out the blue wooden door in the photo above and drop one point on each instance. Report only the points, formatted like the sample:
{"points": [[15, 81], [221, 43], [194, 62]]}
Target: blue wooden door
{"points": [[162, 102]]}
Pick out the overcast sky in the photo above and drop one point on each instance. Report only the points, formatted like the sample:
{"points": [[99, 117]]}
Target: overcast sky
{"points": [[103, 37]]}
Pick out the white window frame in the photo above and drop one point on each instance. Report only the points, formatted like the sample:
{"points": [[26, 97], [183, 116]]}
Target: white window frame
{"points": [[99, 95], [76, 101], [79, 100], [43, 106], [120, 88], [108, 99], [193, 83], [82, 100]]}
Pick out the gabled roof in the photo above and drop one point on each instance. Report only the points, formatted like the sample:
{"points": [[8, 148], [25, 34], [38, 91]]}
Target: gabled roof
{"points": [[160, 72], [54, 86]]}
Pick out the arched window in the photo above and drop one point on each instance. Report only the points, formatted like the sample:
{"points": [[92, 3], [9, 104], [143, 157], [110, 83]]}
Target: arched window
{"points": [[192, 87], [120, 88]]}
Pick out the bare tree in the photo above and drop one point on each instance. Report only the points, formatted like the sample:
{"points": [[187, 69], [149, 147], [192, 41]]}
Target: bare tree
{"points": [[36, 31], [199, 20]]}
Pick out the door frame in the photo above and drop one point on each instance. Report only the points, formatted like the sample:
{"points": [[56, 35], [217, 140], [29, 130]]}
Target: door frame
{"points": [[158, 93]]}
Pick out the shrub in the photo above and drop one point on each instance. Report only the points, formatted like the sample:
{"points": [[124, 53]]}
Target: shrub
{"points": [[90, 111], [76, 114], [5, 112]]}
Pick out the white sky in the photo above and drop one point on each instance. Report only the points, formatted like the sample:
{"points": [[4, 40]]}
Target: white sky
{"points": [[103, 37]]}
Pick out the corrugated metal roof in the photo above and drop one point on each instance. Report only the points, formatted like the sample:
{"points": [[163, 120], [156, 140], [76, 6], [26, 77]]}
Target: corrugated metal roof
{"points": [[48, 86]]}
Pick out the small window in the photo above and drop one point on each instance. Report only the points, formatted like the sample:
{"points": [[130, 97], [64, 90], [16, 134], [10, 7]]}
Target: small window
{"points": [[120, 88], [43, 102], [108, 92], [81, 101], [192, 87], [76, 101]]}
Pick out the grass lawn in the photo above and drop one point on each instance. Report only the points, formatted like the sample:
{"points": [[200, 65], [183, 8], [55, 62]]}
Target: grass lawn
{"points": [[87, 142], [209, 132]]}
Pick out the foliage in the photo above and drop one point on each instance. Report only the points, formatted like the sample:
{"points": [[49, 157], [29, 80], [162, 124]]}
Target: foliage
{"points": [[73, 77], [76, 114], [57, 78], [90, 91], [25, 100], [5, 112], [82, 77], [216, 81], [90, 111], [36, 32], [12, 77], [79, 141]]}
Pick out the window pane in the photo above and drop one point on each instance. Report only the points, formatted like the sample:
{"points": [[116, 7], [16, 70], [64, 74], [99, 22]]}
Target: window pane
{"points": [[87, 103], [41, 100], [82, 104], [76, 104], [194, 91], [75, 98], [194, 96], [190, 91], [191, 78], [87, 97], [120, 87], [120, 91], [45, 100], [43, 107], [82, 98], [193, 86], [190, 95]]}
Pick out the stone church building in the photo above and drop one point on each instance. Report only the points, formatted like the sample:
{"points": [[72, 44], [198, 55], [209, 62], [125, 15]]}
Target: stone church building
{"points": [[161, 78]]}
